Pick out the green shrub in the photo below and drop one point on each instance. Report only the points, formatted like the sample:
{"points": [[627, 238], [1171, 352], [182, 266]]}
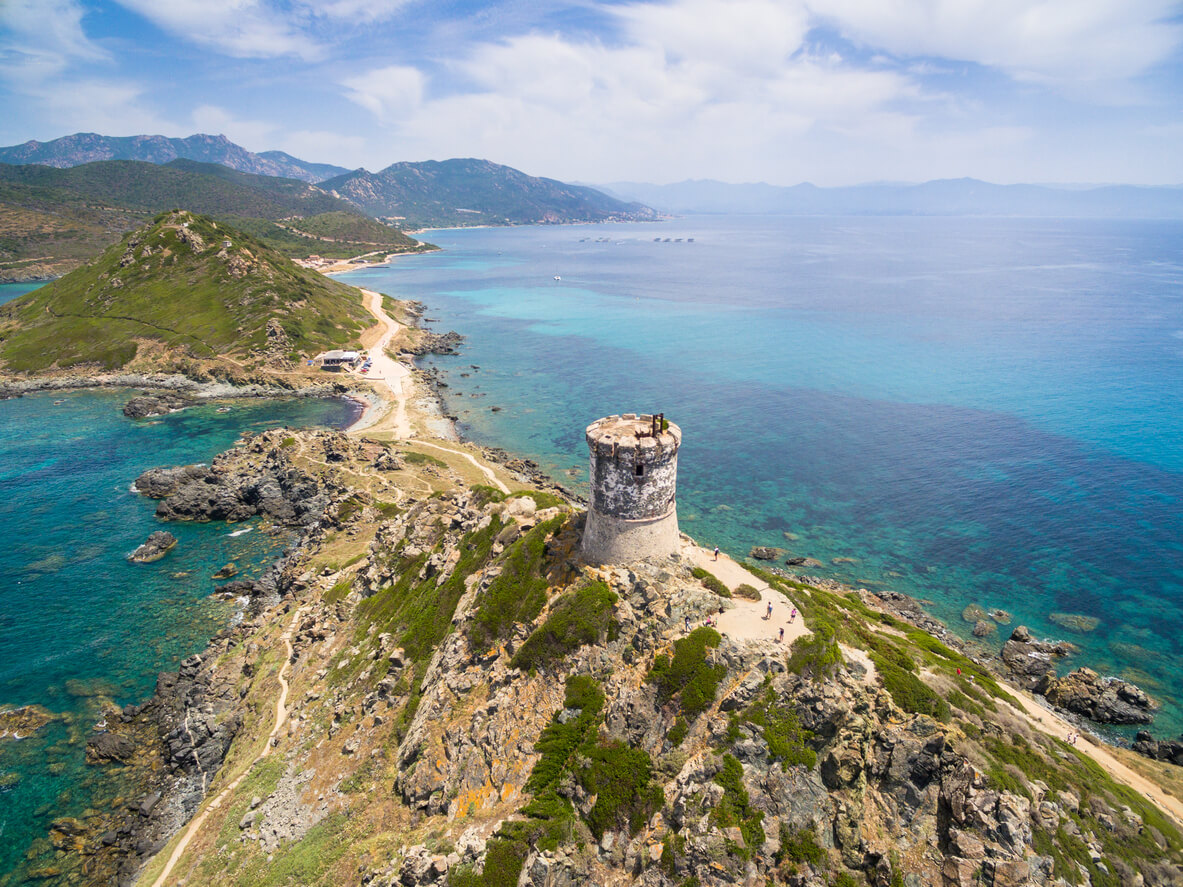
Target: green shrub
{"points": [[800, 846], [519, 592], [577, 618], [734, 809], [483, 494], [747, 592], [622, 779], [711, 581], [782, 731], [388, 510], [288, 442], [909, 692], [559, 742], [816, 655], [688, 675], [678, 732]]}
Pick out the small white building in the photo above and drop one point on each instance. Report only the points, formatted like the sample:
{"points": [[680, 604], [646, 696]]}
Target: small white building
{"points": [[336, 360]]}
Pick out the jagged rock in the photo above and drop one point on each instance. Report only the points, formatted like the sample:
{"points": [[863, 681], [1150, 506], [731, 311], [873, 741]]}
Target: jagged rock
{"points": [[106, 746], [1028, 659], [238, 588], [1169, 750], [984, 628], [1002, 617], [159, 404], [1104, 700], [154, 548], [766, 553], [227, 572]]}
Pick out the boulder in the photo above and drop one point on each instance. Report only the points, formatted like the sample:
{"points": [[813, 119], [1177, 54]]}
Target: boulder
{"points": [[154, 548], [1104, 700], [159, 404], [1028, 659], [1077, 622], [974, 613], [766, 553], [227, 572], [984, 628]]}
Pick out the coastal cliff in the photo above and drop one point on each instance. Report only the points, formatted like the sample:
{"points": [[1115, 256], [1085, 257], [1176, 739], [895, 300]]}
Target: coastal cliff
{"points": [[465, 702]]}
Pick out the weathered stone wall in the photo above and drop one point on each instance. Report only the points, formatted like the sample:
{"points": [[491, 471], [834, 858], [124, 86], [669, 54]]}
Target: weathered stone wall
{"points": [[633, 474], [617, 452]]}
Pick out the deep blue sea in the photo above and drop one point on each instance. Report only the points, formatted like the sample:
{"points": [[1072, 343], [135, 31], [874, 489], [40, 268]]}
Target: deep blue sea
{"points": [[78, 623], [967, 410]]}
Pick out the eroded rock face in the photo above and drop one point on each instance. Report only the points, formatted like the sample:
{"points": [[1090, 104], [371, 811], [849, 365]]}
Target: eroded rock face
{"points": [[1104, 700], [1169, 750], [235, 488], [1029, 660]]}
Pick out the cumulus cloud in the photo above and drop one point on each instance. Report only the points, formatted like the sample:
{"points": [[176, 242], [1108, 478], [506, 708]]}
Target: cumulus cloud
{"points": [[41, 38], [240, 28], [388, 93], [1060, 41]]}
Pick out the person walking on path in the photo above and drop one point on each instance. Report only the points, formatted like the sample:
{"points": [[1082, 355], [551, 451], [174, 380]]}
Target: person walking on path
{"points": [[768, 615], [782, 634], [716, 553], [792, 615]]}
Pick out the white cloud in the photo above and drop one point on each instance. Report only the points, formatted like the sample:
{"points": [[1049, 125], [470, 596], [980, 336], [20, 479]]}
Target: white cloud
{"points": [[42, 38], [1060, 41], [240, 28], [388, 93]]}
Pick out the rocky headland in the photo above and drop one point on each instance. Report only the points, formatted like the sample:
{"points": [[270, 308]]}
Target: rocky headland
{"points": [[468, 703]]}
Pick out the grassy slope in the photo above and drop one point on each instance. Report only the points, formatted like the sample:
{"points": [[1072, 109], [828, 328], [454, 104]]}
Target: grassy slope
{"points": [[59, 217], [193, 295]]}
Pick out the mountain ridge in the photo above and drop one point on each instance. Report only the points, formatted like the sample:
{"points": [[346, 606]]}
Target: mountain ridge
{"points": [[87, 147]]}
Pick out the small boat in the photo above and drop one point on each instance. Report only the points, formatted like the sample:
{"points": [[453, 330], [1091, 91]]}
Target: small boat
{"points": [[58, 403], [223, 409], [557, 277]]}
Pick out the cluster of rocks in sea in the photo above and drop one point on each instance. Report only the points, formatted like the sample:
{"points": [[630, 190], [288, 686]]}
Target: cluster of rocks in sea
{"points": [[156, 546], [161, 403]]}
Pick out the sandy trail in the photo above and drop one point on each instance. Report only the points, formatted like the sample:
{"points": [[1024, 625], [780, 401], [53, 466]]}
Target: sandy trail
{"points": [[747, 620], [281, 716], [1054, 725], [486, 470], [386, 371]]}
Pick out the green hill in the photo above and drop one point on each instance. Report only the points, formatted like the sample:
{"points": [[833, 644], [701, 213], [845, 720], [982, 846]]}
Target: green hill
{"points": [[175, 286], [460, 192], [51, 219]]}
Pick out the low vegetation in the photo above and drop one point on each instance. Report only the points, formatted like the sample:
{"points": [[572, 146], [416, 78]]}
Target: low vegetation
{"points": [[581, 616], [688, 677]]}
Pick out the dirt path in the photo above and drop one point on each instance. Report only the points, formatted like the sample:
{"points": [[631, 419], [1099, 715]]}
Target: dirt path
{"points": [[748, 620], [1054, 725], [281, 716], [486, 470], [387, 372]]}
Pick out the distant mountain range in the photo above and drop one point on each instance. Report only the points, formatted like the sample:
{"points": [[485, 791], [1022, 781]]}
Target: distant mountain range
{"points": [[87, 147], [466, 192], [945, 197]]}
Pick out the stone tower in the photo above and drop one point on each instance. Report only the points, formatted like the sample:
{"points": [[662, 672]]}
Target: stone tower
{"points": [[634, 472]]}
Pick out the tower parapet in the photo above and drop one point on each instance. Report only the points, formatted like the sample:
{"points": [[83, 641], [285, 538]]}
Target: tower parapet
{"points": [[633, 471]]}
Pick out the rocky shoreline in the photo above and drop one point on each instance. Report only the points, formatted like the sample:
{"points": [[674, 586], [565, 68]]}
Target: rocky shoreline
{"points": [[265, 387]]}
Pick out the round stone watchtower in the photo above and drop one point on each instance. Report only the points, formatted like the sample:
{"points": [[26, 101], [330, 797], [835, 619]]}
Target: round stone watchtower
{"points": [[634, 473]]}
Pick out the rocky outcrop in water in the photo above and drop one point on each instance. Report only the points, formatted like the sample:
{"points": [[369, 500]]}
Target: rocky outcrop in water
{"points": [[1169, 750], [434, 343], [1104, 700], [159, 404], [237, 486], [154, 548], [1029, 660]]}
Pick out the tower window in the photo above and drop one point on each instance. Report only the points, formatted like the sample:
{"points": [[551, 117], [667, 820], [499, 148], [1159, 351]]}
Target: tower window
{"points": [[639, 471]]}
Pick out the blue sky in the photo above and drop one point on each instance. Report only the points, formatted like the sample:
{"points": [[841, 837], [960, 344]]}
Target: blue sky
{"points": [[781, 91]]}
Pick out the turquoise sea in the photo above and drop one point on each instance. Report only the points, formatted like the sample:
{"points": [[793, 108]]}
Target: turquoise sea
{"points": [[78, 623], [967, 410]]}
